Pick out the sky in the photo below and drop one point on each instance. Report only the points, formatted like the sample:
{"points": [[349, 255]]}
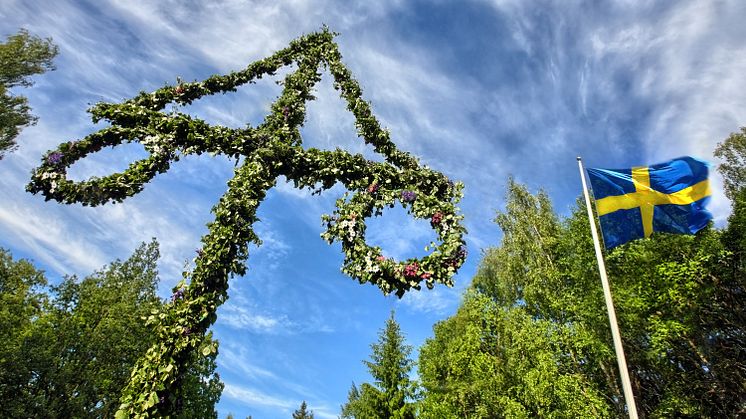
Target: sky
{"points": [[480, 90]]}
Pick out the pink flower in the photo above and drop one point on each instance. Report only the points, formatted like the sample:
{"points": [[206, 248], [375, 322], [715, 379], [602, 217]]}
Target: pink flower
{"points": [[179, 90], [426, 275], [373, 188], [437, 218], [411, 269], [381, 258]]}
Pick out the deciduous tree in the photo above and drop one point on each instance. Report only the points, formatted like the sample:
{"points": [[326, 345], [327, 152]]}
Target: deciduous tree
{"points": [[68, 352], [21, 56], [532, 337]]}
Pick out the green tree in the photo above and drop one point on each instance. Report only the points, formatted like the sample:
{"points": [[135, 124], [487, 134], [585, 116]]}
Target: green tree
{"points": [[302, 412], [733, 153], [22, 301], [21, 56], [511, 349], [488, 361], [393, 393], [536, 321], [74, 351]]}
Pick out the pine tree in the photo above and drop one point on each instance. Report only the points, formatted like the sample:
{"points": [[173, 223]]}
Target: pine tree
{"points": [[392, 393], [302, 412]]}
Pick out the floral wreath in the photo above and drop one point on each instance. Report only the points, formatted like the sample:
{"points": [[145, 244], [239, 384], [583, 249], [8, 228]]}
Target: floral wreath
{"points": [[270, 150]]}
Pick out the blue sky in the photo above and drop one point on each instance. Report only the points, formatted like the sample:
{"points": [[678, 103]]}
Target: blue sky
{"points": [[479, 90]]}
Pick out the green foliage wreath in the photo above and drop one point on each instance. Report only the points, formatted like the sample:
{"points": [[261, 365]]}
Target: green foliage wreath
{"points": [[270, 150]]}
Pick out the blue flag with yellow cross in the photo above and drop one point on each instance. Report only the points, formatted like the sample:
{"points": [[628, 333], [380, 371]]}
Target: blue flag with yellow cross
{"points": [[669, 196]]}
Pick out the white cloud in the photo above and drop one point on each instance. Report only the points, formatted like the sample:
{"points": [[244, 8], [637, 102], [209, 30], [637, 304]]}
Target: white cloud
{"points": [[50, 239], [439, 300], [243, 318], [399, 234], [252, 397], [231, 360], [637, 79]]}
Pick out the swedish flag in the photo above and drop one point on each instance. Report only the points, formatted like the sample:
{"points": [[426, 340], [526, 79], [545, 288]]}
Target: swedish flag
{"points": [[670, 197]]}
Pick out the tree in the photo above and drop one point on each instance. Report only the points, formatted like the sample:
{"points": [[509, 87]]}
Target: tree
{"points": [[532, 338], [302, 413], [21, 56], [510, 350], [733, 153], [72, 352], [22, 300], [488, 361], [392, 394]]}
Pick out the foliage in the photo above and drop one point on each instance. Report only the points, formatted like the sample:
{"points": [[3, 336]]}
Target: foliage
{"points": [[22, 55], [69, 351], [392, 393], [532, 338], [733, 153], [489, 361], [22, 300], [302, 412], [272, 149], [511, 351]]}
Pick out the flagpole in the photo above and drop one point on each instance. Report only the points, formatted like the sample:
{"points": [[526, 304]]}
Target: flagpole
{"points": [[626, 385]]}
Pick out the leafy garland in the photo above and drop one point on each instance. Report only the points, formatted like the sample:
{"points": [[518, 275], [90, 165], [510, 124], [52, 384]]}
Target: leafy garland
{"points": [[270, 150]]}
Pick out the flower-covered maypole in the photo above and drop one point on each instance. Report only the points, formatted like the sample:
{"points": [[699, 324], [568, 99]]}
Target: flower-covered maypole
{"points": [[270, 150]]}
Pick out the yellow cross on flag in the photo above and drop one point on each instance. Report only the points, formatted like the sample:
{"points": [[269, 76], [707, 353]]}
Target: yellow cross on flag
{"points": [[670, 197]]}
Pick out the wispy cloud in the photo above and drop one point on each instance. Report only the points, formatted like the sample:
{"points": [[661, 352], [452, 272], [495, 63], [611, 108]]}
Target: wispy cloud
{"points": [[478, 90], [237, 359], [440, 300], [254, 397], [244, 319]]}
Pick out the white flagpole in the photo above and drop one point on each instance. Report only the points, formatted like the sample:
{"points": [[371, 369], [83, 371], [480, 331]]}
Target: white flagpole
{"points": [[626, 385]]}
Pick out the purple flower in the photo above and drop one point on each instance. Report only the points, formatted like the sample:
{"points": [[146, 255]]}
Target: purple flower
{"points": [[199, 252], [408, 196], [285, 111], [178, 294], [461, 254], [54, 158]]}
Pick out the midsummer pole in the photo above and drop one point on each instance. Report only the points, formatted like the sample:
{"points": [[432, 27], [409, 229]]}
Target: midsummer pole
{"points": [[621, 360]]}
